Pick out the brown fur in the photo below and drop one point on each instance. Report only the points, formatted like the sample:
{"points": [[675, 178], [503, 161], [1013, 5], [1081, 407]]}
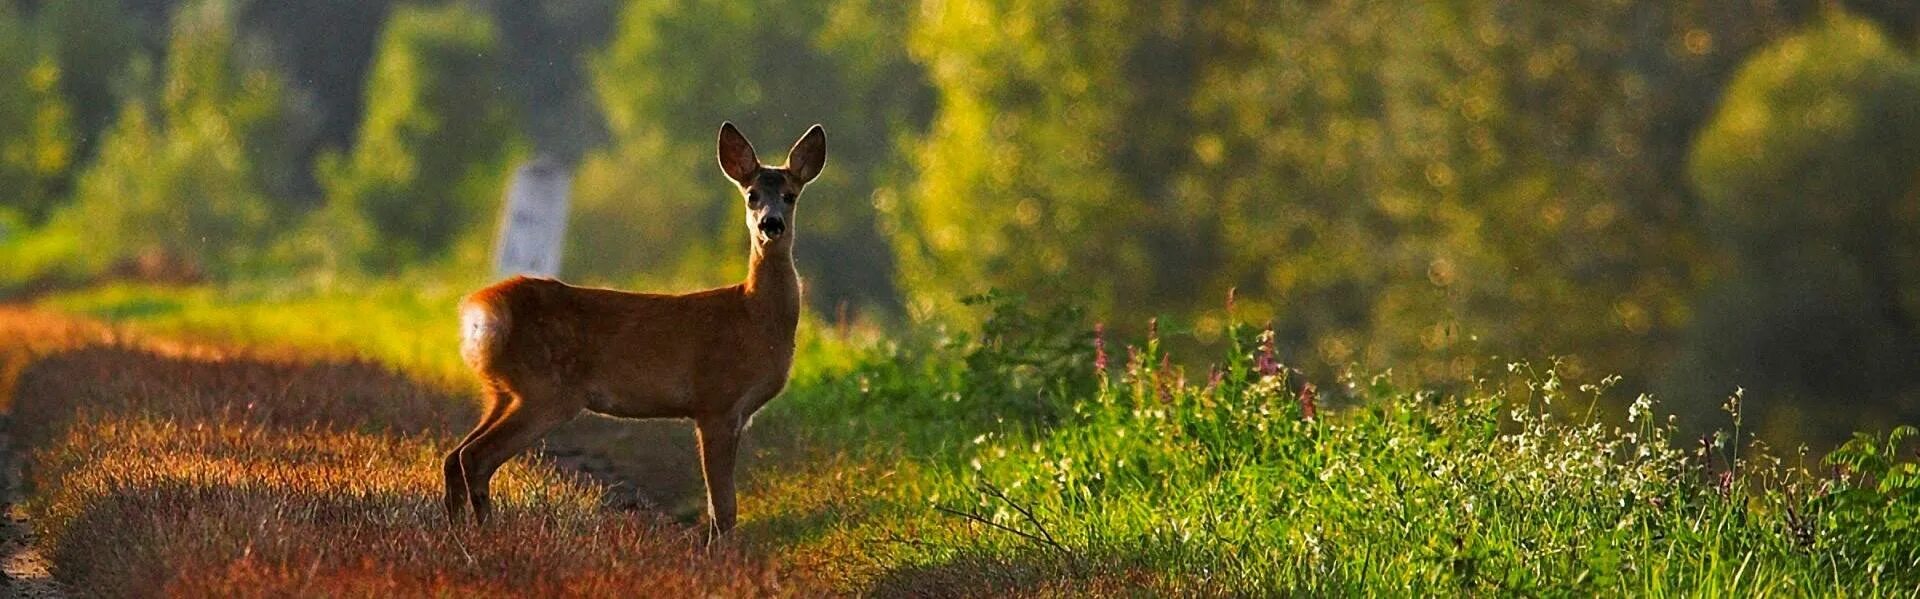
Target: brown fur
{"points": [[545, 350]]}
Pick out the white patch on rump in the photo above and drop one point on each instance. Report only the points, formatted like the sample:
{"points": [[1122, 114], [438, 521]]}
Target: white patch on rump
{"points": [[479, 332]]}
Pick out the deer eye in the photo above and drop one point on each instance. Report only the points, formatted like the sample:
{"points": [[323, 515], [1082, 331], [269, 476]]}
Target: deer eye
{"points": [[789, 197]]}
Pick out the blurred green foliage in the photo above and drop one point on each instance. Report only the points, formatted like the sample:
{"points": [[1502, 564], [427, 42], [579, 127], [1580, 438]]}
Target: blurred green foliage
{"points": [[98, 48], [432, 153], [1406, 184], [1810, 174], [36, 123], [178, 185], [1699, 194]]}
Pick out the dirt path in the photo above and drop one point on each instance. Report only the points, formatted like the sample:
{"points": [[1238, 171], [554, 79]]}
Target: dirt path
{"points": [[24, 572]]}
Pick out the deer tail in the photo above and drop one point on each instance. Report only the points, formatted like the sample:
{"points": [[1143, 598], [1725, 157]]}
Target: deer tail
{"points": [[484, 322]]}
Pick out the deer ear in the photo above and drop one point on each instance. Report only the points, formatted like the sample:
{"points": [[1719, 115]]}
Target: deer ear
{"points": [[736, 155], [808, 155]]}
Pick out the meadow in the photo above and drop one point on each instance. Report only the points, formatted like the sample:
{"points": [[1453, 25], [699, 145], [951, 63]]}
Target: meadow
{"points": [[270, 443], [1434, 297]]}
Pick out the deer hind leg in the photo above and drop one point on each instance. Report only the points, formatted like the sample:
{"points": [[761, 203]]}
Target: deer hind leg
{"points": [[456, 478], [719, 442], [522, 423]]}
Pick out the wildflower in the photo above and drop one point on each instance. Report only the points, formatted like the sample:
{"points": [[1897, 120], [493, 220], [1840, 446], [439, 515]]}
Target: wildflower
{"points": [[1732, 405], [1100, 349], [1308, 394], [1160, 381], [1263, 361], [1642, 407]]}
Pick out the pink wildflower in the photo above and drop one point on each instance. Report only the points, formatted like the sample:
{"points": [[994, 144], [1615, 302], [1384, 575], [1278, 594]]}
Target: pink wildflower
{"points": [[1263, 362], [1161, 381], [1100, 349]]}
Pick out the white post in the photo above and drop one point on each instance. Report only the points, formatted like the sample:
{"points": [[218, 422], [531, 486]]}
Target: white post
{"points": [[533, 225]]}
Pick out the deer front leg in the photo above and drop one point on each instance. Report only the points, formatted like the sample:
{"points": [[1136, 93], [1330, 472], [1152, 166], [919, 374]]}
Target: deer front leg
{"points": [[719, 441]]}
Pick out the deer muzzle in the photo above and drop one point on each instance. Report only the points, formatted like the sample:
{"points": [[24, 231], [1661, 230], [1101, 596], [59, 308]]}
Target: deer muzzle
{"points": [[772, 226]]}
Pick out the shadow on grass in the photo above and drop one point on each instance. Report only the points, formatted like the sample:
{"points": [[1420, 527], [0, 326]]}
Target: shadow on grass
{"points": [[190, 384], [654, 460], [200, 539]]}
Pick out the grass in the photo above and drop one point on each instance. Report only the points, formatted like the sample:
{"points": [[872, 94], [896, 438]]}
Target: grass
{"points": [[410, 328], [1022, 459], [199, 473]]}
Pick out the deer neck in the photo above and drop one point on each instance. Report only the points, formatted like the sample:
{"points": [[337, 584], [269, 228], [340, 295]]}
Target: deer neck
{"points": [[773, 286]]}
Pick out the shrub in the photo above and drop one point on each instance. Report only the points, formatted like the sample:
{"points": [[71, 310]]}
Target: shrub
{"points": [[1873, 513]]}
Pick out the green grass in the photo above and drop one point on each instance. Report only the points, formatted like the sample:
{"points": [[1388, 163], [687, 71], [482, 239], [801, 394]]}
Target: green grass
{"points": [[408, 327], [412, 326], [1003, 461]]}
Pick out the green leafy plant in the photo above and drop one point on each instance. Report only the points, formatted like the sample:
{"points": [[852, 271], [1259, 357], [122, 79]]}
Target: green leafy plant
{"points": [[1874, 509]]}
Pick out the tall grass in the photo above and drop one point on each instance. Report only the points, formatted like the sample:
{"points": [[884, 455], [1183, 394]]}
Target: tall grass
{"points": [[1246, 480]]}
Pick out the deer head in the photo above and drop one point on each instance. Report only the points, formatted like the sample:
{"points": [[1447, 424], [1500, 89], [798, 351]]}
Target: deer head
{"points": [[771, 192]]}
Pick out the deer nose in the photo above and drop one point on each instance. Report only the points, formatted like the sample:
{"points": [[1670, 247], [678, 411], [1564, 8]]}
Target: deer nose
{"points": [[772, 226]]}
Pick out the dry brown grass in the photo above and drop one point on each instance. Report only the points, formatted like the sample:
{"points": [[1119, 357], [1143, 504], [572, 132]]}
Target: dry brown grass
{"points": [[193, 471]]}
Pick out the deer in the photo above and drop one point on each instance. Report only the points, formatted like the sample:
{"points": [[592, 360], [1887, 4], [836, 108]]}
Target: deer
{"points": [[546, 350]]}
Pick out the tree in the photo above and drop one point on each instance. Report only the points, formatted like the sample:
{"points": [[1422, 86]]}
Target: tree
{"points": [[1414, 184], [433, 147], [1021, 182], [181, 185], [544, 46], [1811, 175], [36, 131], [325, 51], [99, 46]]}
